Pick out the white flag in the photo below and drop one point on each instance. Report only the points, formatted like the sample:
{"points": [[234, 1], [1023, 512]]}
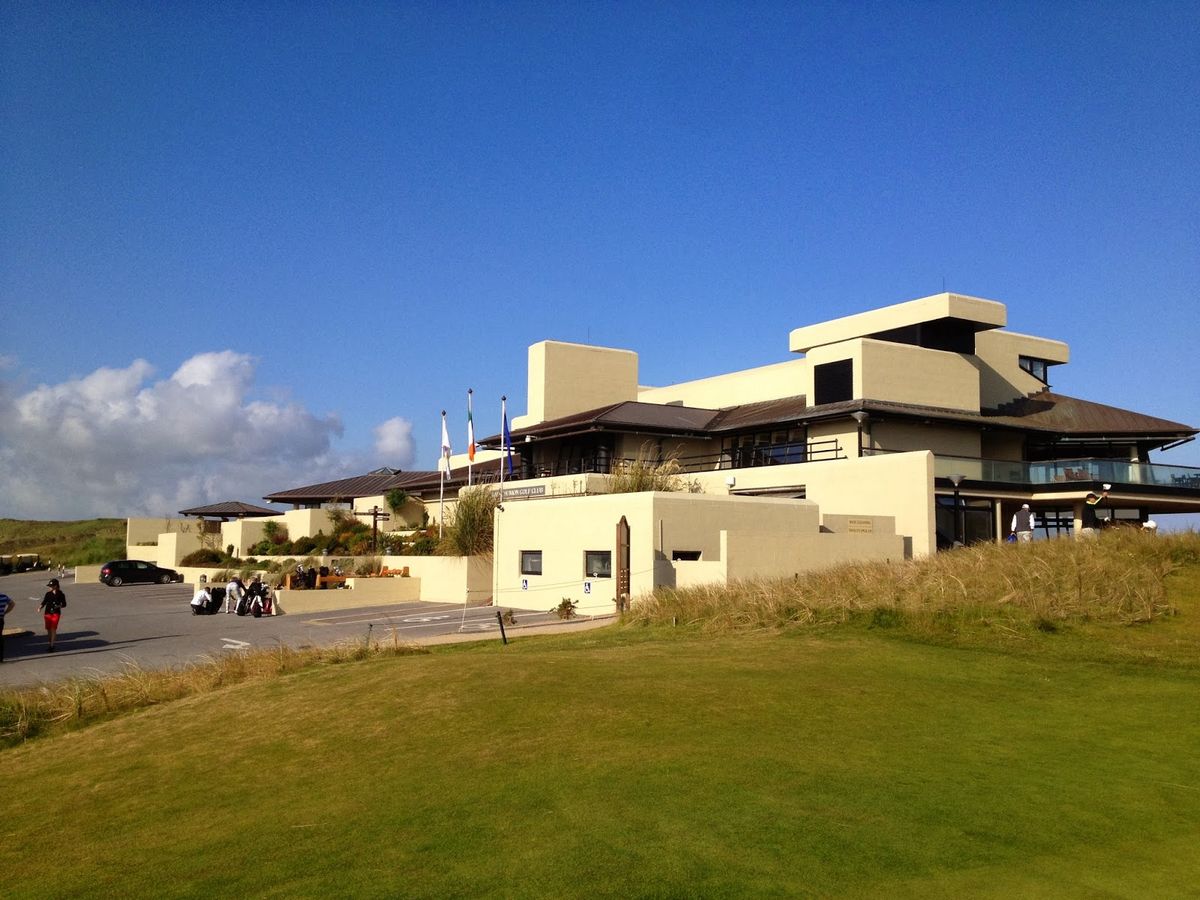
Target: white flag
{"points": [[445, 443]]}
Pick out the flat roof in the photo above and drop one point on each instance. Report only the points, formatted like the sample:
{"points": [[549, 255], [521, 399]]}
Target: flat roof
{"points": [[974, 311]]}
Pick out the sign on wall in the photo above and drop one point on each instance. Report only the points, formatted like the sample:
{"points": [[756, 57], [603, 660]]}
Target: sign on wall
{"points": [[515, 493]]}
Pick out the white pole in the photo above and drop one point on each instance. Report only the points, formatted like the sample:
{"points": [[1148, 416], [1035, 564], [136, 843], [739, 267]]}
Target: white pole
{"points": [[442, 481], [503, 442]]}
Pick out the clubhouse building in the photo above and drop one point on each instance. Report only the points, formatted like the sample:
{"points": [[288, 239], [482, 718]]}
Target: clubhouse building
{"points": [[890, 434]]}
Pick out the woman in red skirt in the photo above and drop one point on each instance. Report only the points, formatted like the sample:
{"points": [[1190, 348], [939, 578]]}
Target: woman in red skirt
{"points": [[51, 607]]}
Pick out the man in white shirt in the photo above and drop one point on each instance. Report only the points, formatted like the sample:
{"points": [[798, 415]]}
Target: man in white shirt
{"points": [[1023, 523], [200, 600]]}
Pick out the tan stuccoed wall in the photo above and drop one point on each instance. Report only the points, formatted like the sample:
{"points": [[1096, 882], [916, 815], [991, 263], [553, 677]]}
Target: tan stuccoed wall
{"points": [[917, 375], [942, 440], [738, 537], [567, 378], [143, 531], [785, 379], [905, 374], [172, 547], [844, 432], [894, 484], [998, 356], [775, 554], [448, 579], [988, 313], [562, 530], [408, 517]]}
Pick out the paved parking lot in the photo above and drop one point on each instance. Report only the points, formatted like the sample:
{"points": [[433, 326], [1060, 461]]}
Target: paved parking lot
{"points": [[103, 628]]}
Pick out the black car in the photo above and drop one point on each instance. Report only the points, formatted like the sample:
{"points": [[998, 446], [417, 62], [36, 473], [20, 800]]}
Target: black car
{"points": [[131, 571]]}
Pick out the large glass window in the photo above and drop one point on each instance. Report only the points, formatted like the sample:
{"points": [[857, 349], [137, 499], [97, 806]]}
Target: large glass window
{"points": [[764, 448], [597, 563], [531, 562]]}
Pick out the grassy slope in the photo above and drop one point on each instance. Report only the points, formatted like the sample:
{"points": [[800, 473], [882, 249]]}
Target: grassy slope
{"points": [[643, 763], [649, 761], [73, 543]]}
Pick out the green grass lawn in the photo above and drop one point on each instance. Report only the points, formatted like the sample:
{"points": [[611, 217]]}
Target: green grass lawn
{"points": [[72, 543], [636, 762]]}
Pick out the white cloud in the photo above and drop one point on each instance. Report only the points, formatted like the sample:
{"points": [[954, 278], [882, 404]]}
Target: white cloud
{"points": [[394, 441], [117, 442]]}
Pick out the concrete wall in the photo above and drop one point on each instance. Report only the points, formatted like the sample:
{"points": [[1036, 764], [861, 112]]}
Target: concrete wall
{"points": [[360, 592], [774, 555], [448, 579], [737, 537], [146, 531], [172, 547], [785, 379], [986, 313], [944, 440], [569, 378], [895, 484], [997, 355]]}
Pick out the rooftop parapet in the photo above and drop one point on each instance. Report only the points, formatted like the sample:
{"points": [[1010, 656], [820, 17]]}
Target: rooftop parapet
{"points": [[937, 322]]}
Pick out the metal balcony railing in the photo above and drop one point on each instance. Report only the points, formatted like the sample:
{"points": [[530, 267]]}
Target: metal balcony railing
{"points": [[1064, 471], [741, 458]]}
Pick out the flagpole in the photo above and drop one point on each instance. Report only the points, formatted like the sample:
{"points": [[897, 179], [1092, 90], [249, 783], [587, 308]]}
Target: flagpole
{"points": [[470, 437], [442, 487], [503, 436]]}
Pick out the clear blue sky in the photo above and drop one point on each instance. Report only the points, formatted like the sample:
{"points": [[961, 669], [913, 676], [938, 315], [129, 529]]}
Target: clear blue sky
{"points": [[249, 246]]}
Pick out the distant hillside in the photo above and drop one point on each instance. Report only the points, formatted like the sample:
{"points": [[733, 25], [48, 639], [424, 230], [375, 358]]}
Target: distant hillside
{"points": [[70, 543]]}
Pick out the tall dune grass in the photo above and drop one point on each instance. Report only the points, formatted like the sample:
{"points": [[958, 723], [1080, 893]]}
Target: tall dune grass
{"points": [[31, 712], [1118, 577]]}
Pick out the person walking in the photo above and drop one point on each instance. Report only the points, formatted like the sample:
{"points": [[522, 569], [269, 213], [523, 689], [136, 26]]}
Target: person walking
{"points": [[1023, 523], [51, 607], [6, 606]]}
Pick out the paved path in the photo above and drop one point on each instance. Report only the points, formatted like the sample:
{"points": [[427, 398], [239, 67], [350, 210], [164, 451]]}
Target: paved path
{"points": [[104, 628]]}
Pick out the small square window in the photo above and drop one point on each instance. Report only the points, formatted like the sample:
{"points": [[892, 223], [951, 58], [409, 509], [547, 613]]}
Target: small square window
{"points": [[597, 563], [531, 562]]}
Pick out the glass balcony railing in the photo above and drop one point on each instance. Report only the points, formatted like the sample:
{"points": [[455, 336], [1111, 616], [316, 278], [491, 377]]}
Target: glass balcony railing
{"points": [[1063, 471]]}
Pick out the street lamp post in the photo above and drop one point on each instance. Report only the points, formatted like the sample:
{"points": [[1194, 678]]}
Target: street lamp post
{"points": [[861, 417], [959, 536]]}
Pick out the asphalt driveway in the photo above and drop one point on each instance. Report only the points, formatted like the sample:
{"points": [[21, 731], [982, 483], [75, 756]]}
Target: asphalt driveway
{"points": [[104, 628]]}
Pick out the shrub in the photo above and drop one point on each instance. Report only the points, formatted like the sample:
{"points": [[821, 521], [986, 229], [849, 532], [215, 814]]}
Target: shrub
{"points": [[304, 545], [471, 532], [565, 608], [202, 557], [646, 474], [369, 566]]}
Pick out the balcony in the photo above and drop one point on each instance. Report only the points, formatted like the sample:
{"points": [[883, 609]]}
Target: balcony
{"points": [[1065, 472], [740, 458]]}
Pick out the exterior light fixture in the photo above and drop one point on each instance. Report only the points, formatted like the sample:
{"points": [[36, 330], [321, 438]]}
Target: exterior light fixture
{"points": [[862, 417]]}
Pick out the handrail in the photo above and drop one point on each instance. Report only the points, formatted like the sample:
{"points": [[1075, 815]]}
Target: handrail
{"points": [[1084, 471], [741, 458]]}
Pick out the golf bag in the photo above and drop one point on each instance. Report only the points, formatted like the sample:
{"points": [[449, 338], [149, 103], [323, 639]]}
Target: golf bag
{"points": [[243, 606]]}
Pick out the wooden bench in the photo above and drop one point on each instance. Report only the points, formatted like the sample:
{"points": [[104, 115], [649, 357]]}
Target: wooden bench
{"points": [[324, 581], [393, 573]]}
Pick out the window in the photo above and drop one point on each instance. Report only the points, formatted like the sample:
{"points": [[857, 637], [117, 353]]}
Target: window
{"points": [[597, 563], [1035, 367], [531, 562], [685, 555], [833, 382]]}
